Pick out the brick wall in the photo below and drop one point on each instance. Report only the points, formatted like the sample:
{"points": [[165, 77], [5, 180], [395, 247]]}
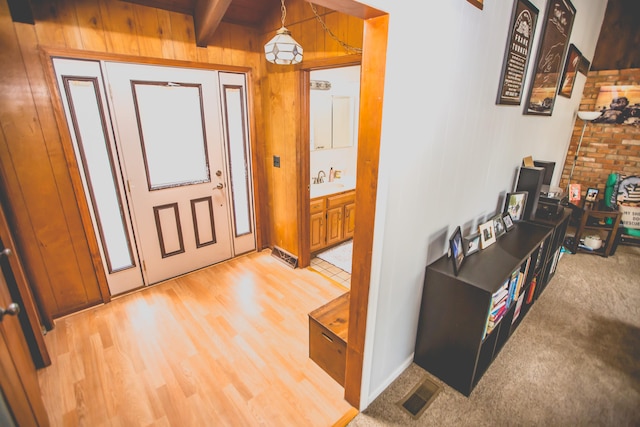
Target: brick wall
{"points": [[605, 148]]}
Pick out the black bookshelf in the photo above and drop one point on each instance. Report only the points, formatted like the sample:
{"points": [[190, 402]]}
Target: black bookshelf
{"points": [[451, 342]]}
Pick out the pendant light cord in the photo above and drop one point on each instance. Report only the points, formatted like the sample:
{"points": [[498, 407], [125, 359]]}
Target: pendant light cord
{"points": [[344, 45], [284, 11]]}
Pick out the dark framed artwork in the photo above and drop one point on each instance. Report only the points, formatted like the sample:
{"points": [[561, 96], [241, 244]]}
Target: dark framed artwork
{"points": [[584, 66], [477, 3], [457, 250], [569, 71], [498, 225], [517, 52], [558, 21]]}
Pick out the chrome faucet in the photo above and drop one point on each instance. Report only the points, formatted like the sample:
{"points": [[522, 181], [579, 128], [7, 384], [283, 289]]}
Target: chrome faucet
{"points": [[320, 178]]}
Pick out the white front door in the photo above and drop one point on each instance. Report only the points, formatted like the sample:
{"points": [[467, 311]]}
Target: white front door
{"points": [[168, 124]]}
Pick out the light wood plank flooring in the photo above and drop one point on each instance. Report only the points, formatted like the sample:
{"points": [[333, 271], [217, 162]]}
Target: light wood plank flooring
{"points": [[224, 346]]}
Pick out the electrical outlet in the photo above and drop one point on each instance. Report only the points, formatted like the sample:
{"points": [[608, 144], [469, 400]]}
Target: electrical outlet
{"points": [[276, 161]]}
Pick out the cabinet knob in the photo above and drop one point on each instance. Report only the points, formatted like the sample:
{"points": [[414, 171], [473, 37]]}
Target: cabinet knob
{"points": [[6, 252]]}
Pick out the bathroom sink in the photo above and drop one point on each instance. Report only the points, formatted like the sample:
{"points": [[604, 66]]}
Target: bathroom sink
{"points": [[319, 190]]}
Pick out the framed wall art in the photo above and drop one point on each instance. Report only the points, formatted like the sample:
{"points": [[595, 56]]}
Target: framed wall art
{"points": [[515, 204], [477, 3], [558, 21], [517, 52], [569, 71], [487, 234]]}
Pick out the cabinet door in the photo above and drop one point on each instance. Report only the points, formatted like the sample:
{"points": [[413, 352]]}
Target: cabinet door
{"points": [[318, 231], [349, 220], [334, 225]]}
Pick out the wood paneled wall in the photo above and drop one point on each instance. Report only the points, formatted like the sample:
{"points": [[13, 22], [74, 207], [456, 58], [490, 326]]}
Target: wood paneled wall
{"points": [[37, 180], [281, 107]]}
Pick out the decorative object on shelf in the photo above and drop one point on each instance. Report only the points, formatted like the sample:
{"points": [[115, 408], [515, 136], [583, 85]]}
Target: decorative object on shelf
{"points": [[569, 72], [508, 222], [574, 193], [457, 250], [498, 225], [471, 244], [282, 49], [487, 234], [585, 116], [593, 241], [477, 3], [558, 21], [514, 205], [618, 105], [517, 52], [592, 194]]}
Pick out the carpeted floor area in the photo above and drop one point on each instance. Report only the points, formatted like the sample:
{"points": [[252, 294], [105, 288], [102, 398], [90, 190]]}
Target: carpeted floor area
{"points": [[574, 360]]}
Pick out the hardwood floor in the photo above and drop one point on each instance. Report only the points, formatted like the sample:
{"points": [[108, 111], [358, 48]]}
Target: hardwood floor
{"points": [[226, 345]]}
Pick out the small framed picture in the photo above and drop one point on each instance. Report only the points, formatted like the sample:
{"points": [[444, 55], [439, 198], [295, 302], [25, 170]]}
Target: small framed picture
{"points": [[592, 194], [498, 225], [508, 222], [574, 193], [457, 250], [514, 205], [471, 244], [487, 234]]}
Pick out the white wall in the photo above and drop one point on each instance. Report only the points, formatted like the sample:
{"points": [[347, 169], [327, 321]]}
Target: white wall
{"points": [[450, 154]]}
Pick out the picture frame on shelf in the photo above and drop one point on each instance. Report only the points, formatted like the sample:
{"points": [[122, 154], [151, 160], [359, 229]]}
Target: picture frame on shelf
{"points": [[515, 204], [569, 71], [487, 234], [457, 250], [552, 50], [574, 193], [498, 225], [508, 222], [592, 194], [471, 244]]}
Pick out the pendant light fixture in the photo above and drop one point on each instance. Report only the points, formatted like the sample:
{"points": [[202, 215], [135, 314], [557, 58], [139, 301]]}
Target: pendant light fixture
{"points": [[283, 49]]}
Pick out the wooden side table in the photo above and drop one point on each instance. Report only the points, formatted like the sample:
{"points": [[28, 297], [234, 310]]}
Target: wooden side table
{"points": [[597, 220]]}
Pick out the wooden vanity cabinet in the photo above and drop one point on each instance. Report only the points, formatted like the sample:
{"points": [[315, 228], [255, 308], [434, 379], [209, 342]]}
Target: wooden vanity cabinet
{"points": [[332, 219]]}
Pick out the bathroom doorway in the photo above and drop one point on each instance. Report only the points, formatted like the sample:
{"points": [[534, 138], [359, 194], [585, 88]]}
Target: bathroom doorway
{"points": [[334, 104]]}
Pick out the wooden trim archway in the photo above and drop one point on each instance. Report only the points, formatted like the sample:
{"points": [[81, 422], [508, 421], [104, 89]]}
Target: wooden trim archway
{"points": [[373, 63]]}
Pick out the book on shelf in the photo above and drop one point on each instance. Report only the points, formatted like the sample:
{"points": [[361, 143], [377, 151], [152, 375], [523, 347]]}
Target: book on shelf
{"points": [[516, 312], [532, 290]]}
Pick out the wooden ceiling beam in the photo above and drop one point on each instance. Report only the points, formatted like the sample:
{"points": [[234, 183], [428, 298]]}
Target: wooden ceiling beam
{"points": [[206, 18]]}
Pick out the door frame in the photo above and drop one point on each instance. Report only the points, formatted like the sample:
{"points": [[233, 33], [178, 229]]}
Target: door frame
{"points": [[47, 55], [373, 66]]}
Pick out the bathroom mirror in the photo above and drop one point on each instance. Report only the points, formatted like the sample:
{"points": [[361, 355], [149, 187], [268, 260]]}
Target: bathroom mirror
{"points": [[333, 107]]}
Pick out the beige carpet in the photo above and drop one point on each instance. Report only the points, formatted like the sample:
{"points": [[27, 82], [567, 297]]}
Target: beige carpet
{"points": [[574, 360]]}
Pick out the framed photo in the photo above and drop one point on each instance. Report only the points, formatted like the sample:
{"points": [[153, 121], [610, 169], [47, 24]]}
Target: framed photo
{"points": [[487, 234], [457, 250], [514, 205], [584, 66], [574, 193], [569, 72], [552, 50], [508, 222], [498, 225], [471, 244], [477, 3], [592, 194], [517, 52]]}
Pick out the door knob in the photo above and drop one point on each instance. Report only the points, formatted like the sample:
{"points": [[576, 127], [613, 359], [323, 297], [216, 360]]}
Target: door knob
{"points": [[12, 309]]}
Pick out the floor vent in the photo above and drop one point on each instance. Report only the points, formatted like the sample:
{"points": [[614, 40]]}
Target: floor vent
{"points": [[418, 399], [284, 256]]}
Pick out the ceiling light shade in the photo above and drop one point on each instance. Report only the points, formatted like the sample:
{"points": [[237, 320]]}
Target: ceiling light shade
{"points": [[588, 115], [283, 49]]}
